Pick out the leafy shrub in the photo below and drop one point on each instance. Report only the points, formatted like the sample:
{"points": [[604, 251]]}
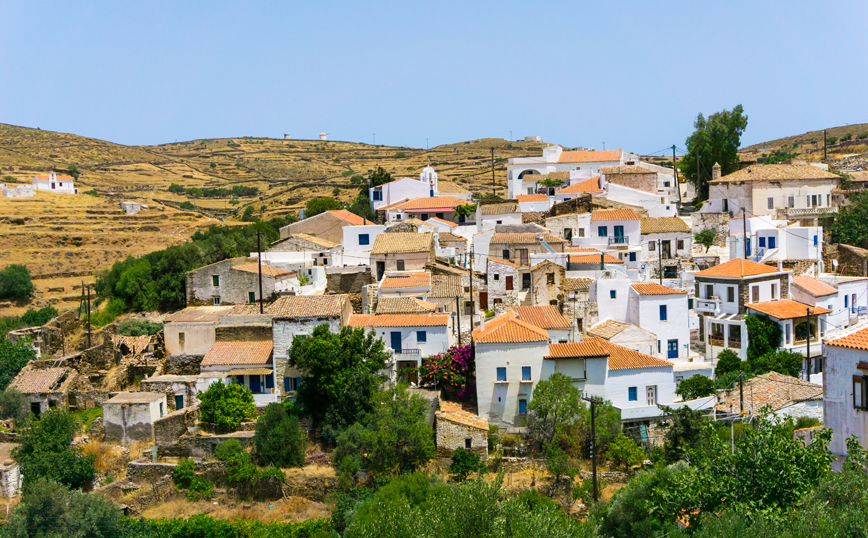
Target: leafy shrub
{"points": [[213, 165], [13, 357], [247, 216], [112, 310], [697, 386], [493, 436], [15, 283], [315, 206], [279, 439], [175, 188], [14, 405], [463, 463], [400, 155], [727, 361], [139, 327], [234, 201], [34, 318], [226, 405], [228, 449], [847, 137], [91, 193], [186, 204], [831, 139], [184, 473], [624, 451], [46, 452], [336, 160], [862, 136], [705, 238]]}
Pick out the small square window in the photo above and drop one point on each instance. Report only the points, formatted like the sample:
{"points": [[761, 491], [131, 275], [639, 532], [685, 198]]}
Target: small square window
{"points": [[581, 232], [613, 294], [665, 183], [681, 244], [525, 373], [652, 246], [771, 202], [601, 231], [215, 280], [400, 265], [180, 339], [468, 443], [632, 394], [550, 279], [251, 297], [364, 239], [421, 337], [730, 294], [501, 373], [498, 222], [496, 276], [216, 300]]}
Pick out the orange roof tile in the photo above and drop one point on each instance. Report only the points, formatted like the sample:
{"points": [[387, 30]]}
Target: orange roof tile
{"points": [[590, 156], [443, 221], [588, 185], [267, 270], [593, 258], [773, 389], [581, 250], [614, 214], [411, 279], [544, 317], [737, 268], [777, 172], [813, 286], [55, 177], [403, 242], [532, 198], [507, 329], [433, 202], [449, 237], [787, 309], [453, 413], [39, 380], [347, 216], [653, 288], [857, 340], [227, 353], [501, 261], [619, 357], [398, 320]]}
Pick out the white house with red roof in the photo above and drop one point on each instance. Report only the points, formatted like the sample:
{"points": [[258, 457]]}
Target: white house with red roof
{"points": [[54, 183], [613, 231], [533, 202], [845, 389], [442, 207], [556, 159]]}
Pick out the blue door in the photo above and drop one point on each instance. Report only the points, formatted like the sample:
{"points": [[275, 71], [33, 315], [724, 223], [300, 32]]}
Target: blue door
{"points": [[748, 246], [619, 234], [771, 242], [255, 387], [396, 341], [179, 401], [672, 347]]}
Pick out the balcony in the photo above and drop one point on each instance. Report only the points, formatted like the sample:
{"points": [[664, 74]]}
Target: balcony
{"points": [[407, 354], [810, 211], [710, 305], [619, 240], [716, 340]]}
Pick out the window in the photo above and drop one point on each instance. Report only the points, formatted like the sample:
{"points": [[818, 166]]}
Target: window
{"points": [[522, 406], [364, 239], [180, 339], [681, 244], [659, 347], [215, 280], [846, 301], [496, 276], [581, 232], [652, 246], [424, 216], [791, 201], [859, 392], [601, 231], [216, 300], [774, 291], [771, 203], [400, 265], [506, 255], [725, 205], [439, 215], [161, 409], [709, 291], [568, 234], [421, 337], [378, 196], [632, 394], [754, 294], [251, 297], [498, 222], [550, 279], [762, 241], [815, 240], [632, 256], [501, 373], [787, 333], [665, 183], [291, 384], [613, 294], [828, 199], [468, 443], [663, 312], [525, 373]]}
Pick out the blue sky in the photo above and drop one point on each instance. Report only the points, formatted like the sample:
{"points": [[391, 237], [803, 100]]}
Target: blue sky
{"points": [[630, 74]]}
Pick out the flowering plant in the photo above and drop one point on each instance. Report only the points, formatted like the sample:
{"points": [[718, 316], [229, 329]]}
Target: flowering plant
{"points": [[454, 367]]}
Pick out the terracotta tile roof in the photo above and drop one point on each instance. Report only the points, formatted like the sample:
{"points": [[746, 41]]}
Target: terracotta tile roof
{"points": [[532, 198], [737, 268], [449, 237], [267, 270], [501, 261], [198, 314], [499, 209], [349, 217], [443, 221], [577, 284], [590, 156], [588, 185], [414, 221], [410, 279], [545, 317], [399, 320], [776, 172], [508, 329], [432, 202], [614, 214], [317, 240], [39, 380], [662, 225], [593, 258], [56, 177], [446, 286], [813, 286], [524, 239], [228, 353], [403, 242], [772, 388], [787, 309], [619, 357], [625, 169], [856, 340], [582, 250], [447, 187], [609, 329], [653, 288], [403, 305], [308, 306], [453, 413]]}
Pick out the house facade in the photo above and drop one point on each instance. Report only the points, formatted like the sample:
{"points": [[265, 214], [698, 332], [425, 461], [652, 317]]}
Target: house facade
{"points": [[246, 363], [236, 281], [327, 225], [402, 251], [489, 216], [520, 171], [54, 183], [845, 390], [666, 242]]}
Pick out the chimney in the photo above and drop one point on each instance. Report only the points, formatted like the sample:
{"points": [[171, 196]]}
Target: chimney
{"points": [[482, 322], [780, 266], [715, 172]]}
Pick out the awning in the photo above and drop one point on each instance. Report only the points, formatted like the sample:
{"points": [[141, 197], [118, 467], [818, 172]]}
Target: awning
{"points": [[250, 371]]}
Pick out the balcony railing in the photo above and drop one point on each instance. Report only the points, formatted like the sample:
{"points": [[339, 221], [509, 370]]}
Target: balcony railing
{"points": [[707, 305], [734, 343], [619, 240], [716, 341], [810, 211], [406, 354]]}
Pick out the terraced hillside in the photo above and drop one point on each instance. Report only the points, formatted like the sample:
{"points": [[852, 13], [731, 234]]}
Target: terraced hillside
{"points": [[809, 145]]}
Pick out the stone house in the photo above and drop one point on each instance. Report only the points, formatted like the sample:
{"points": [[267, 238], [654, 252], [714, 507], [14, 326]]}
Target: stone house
{"points": [[246, 363], [666, 242], [634, 177], [503, 281], [181, 390], [402, 252], [578, 306], [448, 292], [457, 428], [547, 280], [11, 478], [328, 225], [852, 261], [45, 388], [570, 226], [491, 215], [302, 242], [236, 281], [454, 241], [517, 248], [129, 417], [787, 396]]}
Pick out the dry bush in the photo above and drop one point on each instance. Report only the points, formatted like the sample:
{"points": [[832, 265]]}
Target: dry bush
{"points": [[108, 457]]}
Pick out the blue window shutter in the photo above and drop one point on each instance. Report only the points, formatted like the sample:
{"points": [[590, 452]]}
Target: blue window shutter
{"points": [[525, 373], [601, 231], [421, 337], [239, 379], [501, 374], [815, 240], [663, 312], [269, 381], [285, 384], [522, 407], [364, 239], [762, 241], [632, 394], [612, 294]]}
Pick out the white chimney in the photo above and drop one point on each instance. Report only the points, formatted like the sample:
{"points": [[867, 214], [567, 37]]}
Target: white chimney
{"points": [[780, 266], [715, 172]]}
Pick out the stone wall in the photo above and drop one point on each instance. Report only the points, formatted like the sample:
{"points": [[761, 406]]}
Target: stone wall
{"points": [[182, 365], [348, 282], [243, 333], [169, 429], [643, 182], [452, 435], [582, 204], [543, 292], [19, 191], [719, 222], [798, 267], [233, 286], [852, 261], [296, 244]]}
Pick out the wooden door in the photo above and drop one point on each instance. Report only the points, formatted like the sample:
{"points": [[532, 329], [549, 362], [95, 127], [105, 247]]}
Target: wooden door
{"points": [[523, 257], [483, 300], [509, 283]]}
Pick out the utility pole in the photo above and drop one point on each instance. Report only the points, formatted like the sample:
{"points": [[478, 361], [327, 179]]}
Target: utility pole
{"points": [[675, 172], [741, 391], [472, 304], [458, 317], [88, 316], [808, 353], [259, 261], [824, 145], [510, 136], [744, 229], [493, 183], [660, 258], [374, 143], [593, 402], [698, 179]]}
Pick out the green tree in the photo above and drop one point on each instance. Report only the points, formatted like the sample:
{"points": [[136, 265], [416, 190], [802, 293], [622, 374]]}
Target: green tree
{"points": [[697, 386], [555, 401], [279, 439], [14, 405], [51, 510], [782, 361], [73, 171], [226, 405], [14, 357], [398, 439], [379, 177], [315, 206], [342, 374], [175, 188], [642, 509], [850, 225], [463, 463], [727, 361], [705, 238], [15, 283], [37, 318], [247, 216], [624, 451], [831, 140], [715, 140], [46, 451], [764, 336], [683, 431], [607, 423]]}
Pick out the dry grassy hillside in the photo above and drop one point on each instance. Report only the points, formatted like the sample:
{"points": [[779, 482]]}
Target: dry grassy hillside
{"points": [[55, 233], [809, 145]]}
